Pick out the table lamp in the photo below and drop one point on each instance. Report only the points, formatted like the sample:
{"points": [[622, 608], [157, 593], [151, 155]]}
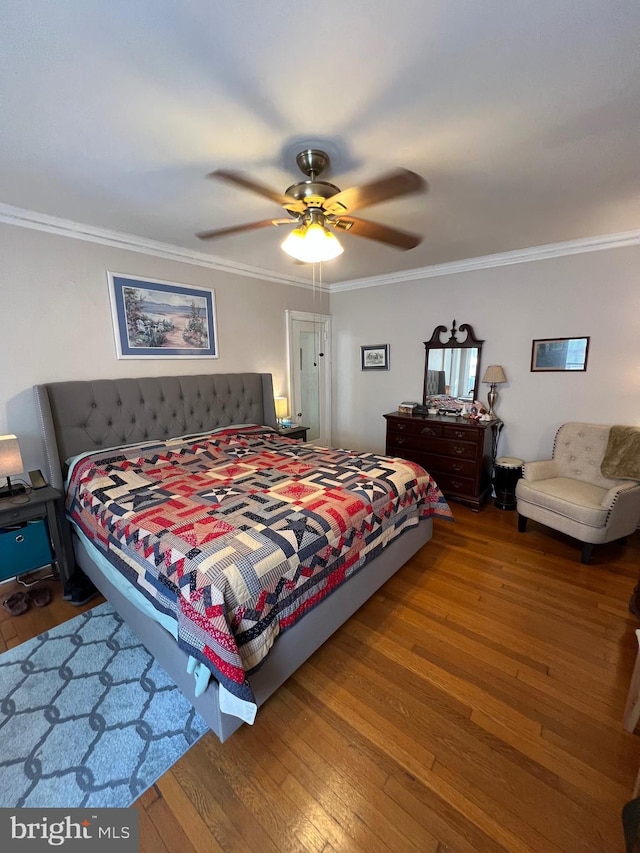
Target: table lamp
{"points": [[282, 409], [493, 375], [10, 463]]}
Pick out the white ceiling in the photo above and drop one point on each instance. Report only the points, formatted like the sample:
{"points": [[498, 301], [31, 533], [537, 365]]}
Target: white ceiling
{"points": [[522, 116]]}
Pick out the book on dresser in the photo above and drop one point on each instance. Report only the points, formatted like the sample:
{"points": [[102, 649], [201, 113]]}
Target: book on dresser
{"points": [[407, 408], [459, 454]]}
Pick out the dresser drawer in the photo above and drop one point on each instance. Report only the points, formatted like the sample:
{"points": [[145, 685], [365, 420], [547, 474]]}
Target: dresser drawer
{"points": [[461, 433], [436, 429], [450, 484], [436, 465], [437, 446], [415, 427]]}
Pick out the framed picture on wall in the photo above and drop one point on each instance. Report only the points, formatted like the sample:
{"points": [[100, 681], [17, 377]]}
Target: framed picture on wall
{"points": [[553, 354], [162, 319], [375, 357]]}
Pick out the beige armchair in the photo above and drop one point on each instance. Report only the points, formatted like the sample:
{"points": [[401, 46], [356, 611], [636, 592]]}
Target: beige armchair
{"points": [[570, 493]]}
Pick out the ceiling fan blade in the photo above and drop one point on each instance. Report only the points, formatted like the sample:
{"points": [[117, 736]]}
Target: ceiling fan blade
{"points": [[380, 233], [237, 229], [397, 183], [239, 180]]}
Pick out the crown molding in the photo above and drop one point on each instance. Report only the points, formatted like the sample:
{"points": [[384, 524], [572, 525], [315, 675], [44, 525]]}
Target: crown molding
{"points": [[20, 217], [67, 228], [502, 259]]}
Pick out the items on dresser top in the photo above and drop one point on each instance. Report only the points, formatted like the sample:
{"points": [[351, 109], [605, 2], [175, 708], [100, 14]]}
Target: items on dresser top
{"points": [[444, 405], [458, 453], [407, 408]]}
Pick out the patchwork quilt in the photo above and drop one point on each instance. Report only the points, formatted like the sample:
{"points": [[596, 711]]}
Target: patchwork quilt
{"points": [[238, 533]]}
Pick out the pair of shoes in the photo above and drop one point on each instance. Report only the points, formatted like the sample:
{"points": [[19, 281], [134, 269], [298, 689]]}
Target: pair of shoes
{"points": [[16, 604], [40, 596], [78, 590], [19, 602]]}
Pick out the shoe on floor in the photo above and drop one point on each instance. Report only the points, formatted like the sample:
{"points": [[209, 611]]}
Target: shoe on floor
{"points": [[78, 590], [16, 604], [40, 596]]}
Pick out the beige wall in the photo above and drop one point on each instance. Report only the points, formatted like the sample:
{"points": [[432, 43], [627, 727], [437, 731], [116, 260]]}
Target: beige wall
{"points": [[595, 294], [56, 325]]}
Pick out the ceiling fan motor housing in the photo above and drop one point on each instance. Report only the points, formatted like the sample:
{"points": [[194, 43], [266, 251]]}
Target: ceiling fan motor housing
{"points": [[310, 190], [312, 162], [313, 192]]}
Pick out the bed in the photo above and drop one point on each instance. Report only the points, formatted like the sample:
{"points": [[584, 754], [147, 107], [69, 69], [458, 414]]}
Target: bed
{"points": [[150, 437]]}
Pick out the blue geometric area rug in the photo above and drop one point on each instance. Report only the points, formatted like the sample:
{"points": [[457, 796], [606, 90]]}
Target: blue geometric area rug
{"points": [[87, 717]]}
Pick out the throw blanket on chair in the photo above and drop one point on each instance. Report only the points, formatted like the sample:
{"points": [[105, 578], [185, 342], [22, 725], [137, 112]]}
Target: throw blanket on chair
{"points": [[621, 459]]}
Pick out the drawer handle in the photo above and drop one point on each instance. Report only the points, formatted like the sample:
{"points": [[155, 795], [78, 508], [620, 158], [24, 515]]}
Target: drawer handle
{"points": [[456, 484], [459, 434], [458, 450], [20, 538], [400, 440], [457, 468], [427, 431], [401, 426]]}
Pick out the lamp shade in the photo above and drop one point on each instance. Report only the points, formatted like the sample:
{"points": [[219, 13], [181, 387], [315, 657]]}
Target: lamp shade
{"points": [[10, 457], [312, 244], [282, 407], [494, 375]]}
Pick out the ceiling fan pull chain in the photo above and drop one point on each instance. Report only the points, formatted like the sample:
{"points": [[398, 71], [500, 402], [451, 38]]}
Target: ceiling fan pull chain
{"points": [[315, 348]]}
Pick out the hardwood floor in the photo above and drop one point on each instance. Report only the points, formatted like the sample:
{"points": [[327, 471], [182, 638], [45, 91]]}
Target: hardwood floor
{"points": [[474, 704], [18, 629]]}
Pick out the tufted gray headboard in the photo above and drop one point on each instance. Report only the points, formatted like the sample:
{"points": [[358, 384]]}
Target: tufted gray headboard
{"points": [[80, 416], [436, 383]]}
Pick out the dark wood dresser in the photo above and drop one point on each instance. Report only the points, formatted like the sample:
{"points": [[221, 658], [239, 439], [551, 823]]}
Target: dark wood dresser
{"points": [[458, 453]]}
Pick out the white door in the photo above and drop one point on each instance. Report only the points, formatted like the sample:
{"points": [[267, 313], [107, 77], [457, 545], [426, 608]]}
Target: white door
{"points": [[309, 337]]}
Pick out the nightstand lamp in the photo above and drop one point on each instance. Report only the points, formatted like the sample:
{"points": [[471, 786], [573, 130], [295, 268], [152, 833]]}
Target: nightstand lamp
{"points": [[10, 463], [493, 375], [282, 409]]}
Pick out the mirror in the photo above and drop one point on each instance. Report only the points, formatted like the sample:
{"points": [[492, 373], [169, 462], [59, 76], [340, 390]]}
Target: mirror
{"points": [[452, 367]]}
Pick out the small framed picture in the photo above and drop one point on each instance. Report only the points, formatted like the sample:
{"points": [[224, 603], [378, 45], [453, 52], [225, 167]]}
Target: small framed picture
{"points": [[375, 357], [554, 354]]}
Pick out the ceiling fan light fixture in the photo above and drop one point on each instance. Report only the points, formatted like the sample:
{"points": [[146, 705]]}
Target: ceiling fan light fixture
{"points": [[311, 244]]}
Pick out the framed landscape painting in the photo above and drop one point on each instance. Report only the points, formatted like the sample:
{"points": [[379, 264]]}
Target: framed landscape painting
{"points": [[162, 319], [555, 354]]}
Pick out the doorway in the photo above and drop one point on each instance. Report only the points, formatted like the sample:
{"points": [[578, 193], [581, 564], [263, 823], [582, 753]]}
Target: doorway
{"points": [[309, 345]]}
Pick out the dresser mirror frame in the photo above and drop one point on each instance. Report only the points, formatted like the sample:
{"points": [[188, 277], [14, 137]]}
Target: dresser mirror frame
{"points": [[460, 359]]}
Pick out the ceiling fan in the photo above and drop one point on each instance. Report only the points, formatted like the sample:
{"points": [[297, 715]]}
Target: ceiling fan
{"points": [[315, 206]]}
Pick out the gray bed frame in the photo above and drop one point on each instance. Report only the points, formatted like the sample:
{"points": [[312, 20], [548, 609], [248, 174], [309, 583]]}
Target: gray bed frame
{"points": [[81, 416]]}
